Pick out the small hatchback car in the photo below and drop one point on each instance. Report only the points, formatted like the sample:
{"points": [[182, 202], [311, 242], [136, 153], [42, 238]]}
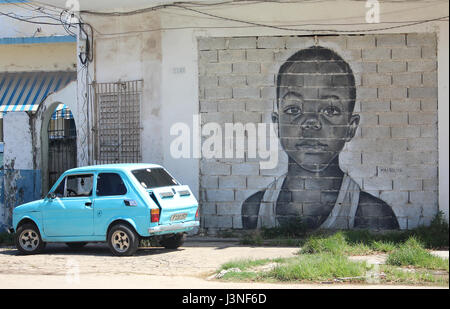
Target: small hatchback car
{"points": [[114, 203]]}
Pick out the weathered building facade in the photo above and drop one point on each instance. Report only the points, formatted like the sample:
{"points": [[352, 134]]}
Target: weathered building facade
{"points": [[368, 101]]}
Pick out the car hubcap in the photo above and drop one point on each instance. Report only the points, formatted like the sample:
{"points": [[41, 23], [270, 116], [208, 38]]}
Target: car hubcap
{"points": [[120, 241], [29, 240]]}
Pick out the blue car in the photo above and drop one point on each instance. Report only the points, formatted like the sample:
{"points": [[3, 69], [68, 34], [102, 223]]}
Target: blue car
{"points": [[115, 203]]}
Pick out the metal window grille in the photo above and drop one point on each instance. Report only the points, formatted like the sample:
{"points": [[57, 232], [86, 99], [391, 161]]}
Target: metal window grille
{"points": [[117, 113]]}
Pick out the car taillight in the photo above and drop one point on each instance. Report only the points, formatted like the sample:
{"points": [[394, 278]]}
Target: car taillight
{"points": [[196, 214], [154, 215]]}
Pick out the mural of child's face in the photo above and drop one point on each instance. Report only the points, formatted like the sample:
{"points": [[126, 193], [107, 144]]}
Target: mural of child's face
{"points": [[314, 115]]}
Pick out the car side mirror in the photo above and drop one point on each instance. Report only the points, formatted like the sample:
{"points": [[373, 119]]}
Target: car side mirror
{"points": [[51, 195]]}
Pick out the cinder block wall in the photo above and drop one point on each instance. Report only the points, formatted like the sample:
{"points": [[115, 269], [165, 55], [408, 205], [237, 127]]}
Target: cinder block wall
{"points": [[394, 154]]}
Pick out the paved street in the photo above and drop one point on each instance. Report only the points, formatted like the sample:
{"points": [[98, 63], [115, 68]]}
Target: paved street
{"points": [[94, 267]]}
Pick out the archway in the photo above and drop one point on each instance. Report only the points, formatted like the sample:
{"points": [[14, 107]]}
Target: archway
{"points": [[59, 144]]}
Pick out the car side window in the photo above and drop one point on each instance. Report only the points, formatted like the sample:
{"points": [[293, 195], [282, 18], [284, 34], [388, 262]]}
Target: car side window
{"points": [[59, 191], [79, 185], [109, 184]]}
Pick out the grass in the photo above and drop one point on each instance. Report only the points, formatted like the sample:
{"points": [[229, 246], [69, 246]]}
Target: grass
{"points": [[324, 255], [314, 267], [412, 253]]}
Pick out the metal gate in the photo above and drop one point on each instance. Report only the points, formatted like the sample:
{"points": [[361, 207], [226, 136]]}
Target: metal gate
{"points": [[62, 144], [117, 114]]}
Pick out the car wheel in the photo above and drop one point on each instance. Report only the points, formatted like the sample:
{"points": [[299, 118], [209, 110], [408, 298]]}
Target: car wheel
{"points": [[122, 240], [76, 245], [28, 239], [173, 242]]}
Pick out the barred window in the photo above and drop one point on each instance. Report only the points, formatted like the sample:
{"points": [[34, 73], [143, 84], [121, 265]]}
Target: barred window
{"points": [[117, 111]]}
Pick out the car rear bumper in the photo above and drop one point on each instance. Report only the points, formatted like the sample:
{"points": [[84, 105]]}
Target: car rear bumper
{"points": [[173, 228]]}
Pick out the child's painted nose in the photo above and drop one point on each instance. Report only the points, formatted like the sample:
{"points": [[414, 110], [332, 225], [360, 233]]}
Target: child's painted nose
{"points": [[312, 123]]}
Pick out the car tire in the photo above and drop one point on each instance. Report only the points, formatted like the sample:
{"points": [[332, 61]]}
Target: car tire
{"points": [[174, 241], [76, 245], [122, 240], [28, 239]]}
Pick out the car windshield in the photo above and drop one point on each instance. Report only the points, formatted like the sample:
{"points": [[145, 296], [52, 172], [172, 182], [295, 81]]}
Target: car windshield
{"points": [[154, 178]]}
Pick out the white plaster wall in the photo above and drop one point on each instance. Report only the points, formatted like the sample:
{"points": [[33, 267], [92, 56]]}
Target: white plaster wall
{"points": [[17, 137]]}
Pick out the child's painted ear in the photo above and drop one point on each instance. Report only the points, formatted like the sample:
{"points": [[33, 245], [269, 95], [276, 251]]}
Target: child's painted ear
{"points": [[352, 127], [275, 117]]}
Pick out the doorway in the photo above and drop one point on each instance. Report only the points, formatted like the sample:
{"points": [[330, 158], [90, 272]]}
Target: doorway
{"points": [[62, 143]]}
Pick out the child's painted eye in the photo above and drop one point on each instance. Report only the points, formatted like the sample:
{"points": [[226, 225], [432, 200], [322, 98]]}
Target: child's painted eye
{"points": [[293, 110], [331, 111]]}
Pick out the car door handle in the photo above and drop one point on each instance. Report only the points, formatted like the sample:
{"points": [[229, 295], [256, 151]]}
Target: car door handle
{"points": [[89, 204]]}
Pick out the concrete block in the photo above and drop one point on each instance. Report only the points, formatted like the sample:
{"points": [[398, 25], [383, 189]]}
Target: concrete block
{"points": [[218, 93], [394, 118], [424, 92], [211, 43], [429, 79], [218, 68], [370, 80], [422, 66], [405, 105], [209, 182], [245, 169], [218, 221], [391, 66], [424, 197], [246, 93], [429, 105], [406, 53], [242, 43], [271, 42], [208, 208], [229, 208], [429, 52], [405, 132], [231, 55], [232, 80], [428, 118], [247, 117], [231, 106], [260, 105], [428, 131], [232, 182], [391, 40], [376, 183], [211, 168], [219, 195], [423, 144], [260, 55], [376, 54], [208, 106], [261, 80], [407, 79], [366, 41], [392, 93], [298, 42], [407, 184], [421, 39], [206, 56], [246, 67]]}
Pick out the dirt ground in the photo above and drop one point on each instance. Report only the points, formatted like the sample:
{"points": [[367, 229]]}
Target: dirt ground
{"points": [[94, 267]]}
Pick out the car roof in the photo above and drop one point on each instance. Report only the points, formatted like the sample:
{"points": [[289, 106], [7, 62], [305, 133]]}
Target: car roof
{"points": [[117, 166]]}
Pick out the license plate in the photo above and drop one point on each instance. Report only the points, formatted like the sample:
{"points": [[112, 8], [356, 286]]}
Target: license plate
{"points": [[177, 217]]}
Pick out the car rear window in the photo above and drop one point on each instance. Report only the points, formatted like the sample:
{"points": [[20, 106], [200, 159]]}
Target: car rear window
{"points": [[154, 178]]}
